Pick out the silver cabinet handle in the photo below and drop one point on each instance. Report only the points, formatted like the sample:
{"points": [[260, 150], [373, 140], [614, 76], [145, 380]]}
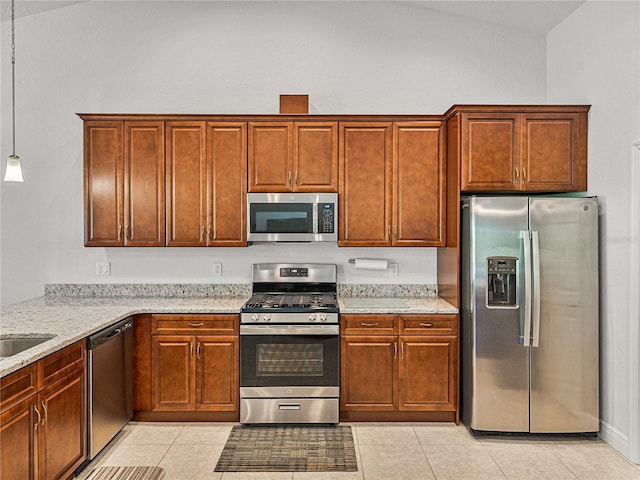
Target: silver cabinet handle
{"points": [[395, 350], [517, 176], [35, 426], [388, 232], [195, 325], [402, 350], [119, 232], [375, 324], [289, 406], [198, 353], [524, 174], [46, 413], [426, 325], [395, 231], [289, 178], [191, 349]]}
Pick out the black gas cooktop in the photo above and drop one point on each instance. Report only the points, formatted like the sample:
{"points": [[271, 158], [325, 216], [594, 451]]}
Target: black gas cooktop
{"points": [[292, 302]]}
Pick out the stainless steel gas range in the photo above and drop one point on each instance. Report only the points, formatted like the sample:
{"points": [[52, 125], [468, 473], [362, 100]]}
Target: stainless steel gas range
{"points": [[290, 345]]}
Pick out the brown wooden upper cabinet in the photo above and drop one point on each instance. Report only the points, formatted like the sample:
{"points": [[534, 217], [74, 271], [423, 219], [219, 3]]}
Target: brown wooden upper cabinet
{"points": [[391, 184], [206, 183], [293, 157], [124, 183], [533, 149]]}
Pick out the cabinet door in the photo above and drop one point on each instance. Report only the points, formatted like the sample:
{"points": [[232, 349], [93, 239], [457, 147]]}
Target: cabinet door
{"points": [[315, 157], [428, 373], [554, 152], [365, 184], [369, 373], [173, 380], [18, 451], [490, 155], [62, 435], [226, 184], [418, 185], [217, 385], [103, 184], [144, 223], [270, 156], [186, 183]]}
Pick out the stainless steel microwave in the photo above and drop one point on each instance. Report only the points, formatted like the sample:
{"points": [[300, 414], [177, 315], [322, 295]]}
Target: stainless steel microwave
{"points": [[292, 217]]}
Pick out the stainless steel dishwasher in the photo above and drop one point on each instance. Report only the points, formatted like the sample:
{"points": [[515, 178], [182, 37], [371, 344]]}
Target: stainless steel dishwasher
{"points": [[110, 383]]}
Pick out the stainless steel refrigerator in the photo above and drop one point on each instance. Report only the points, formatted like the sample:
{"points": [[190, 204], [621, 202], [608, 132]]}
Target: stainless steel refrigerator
{"points": [[530, 314]]}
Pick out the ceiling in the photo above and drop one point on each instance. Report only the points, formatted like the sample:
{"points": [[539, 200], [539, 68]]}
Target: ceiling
{"points": [[539, 16]]}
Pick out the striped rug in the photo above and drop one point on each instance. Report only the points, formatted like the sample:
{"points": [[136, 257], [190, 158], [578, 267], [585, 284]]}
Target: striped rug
{"points": [[126, 473], [288, 448]]}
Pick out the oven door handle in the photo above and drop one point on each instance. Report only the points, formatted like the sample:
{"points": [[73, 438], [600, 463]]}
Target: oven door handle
{"points": [[289, 329]]}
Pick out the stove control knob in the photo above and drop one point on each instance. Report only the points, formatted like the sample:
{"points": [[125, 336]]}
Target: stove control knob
{"points": [[323, 317], [254, 317], [312, 317], [266, 318]]}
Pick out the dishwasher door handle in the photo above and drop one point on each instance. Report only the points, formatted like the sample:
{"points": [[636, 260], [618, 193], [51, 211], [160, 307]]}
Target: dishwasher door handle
{"points": [[114, 333]]}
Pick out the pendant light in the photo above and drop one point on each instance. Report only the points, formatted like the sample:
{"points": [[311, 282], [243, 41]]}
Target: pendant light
{"points": [[14, 167]]}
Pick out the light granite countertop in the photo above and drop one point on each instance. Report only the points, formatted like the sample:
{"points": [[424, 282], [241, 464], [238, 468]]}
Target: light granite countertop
{"points": [[71, 318], [406, 305]]}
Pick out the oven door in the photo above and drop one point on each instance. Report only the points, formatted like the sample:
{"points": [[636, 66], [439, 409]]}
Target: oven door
{"points": [[290, 359]]}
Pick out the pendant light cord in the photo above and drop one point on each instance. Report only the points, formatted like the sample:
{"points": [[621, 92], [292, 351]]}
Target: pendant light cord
{"points": [[13, 73]]}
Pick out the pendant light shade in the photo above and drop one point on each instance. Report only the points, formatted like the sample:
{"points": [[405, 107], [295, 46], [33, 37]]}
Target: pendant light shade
{"points": [[14, 170], [14, 166]]}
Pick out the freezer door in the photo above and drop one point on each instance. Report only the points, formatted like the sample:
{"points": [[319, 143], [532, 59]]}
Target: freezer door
{"points": [[564, 364], [495, 363]]}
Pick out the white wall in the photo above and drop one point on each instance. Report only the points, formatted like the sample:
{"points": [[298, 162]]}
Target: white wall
{"points": [[217, 57], [593, 57]]}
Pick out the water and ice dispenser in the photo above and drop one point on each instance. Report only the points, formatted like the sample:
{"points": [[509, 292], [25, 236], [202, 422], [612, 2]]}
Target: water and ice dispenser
{"points": [[501, 282]]}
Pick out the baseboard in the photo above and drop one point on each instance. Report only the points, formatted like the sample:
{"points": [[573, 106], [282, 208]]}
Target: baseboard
{"points": [[615, 438]]}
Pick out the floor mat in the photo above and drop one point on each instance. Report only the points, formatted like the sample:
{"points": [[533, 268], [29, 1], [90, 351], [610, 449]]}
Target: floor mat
{"points": [[126, 473], [289, 448]]}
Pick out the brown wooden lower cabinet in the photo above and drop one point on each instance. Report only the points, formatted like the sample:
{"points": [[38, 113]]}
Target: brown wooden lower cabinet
{"points": [[62, 431], [18, 436], [44, 432], [411, 375], [194, 364]]}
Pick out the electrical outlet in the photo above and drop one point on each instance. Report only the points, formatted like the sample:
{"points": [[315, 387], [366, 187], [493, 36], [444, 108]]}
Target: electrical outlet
{"points": [[393, 269], [103, 268], [217, 269]]}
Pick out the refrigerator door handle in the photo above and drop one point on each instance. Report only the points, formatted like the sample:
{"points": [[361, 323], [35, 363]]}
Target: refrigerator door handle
{"points": [[525, 338], [535, 262]]}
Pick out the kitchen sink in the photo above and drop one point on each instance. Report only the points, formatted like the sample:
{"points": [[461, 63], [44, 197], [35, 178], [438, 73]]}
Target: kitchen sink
{"points": [[10, 346]]}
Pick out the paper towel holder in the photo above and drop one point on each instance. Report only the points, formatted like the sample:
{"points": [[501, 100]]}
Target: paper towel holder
{"points": [[352, 261]]}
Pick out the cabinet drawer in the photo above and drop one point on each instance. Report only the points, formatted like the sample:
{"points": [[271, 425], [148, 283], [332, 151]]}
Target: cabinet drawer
{"points": [[368, 324], [428, 324], [17, 386], [224, 324], [62, 362]]}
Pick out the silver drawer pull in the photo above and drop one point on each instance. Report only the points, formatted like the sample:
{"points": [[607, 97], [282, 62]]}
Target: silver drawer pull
{"points": [[369, 324], [289, 406], [426, 324], [195, 324]]}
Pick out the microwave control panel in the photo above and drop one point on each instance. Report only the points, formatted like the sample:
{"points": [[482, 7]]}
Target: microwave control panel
{"points": [[326, 219]]}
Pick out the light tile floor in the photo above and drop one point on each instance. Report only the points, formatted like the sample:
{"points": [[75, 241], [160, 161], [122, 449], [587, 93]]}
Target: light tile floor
{"points": [[190, 451]]}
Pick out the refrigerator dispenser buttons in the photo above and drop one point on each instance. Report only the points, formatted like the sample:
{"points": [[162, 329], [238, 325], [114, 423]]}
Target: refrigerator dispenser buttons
{"points": [[501, 282]]}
